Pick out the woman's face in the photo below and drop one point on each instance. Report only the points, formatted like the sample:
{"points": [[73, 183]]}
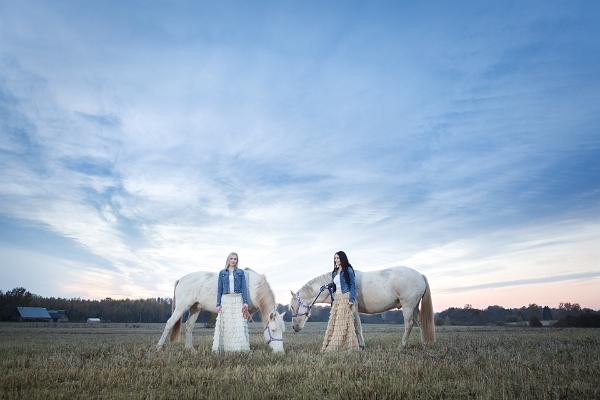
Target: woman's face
{"points": [[336, 260], [232, 262]]}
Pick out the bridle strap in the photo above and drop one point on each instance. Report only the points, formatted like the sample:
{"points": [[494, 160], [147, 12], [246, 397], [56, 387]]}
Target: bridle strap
{"points": [[300, 304], [271, 338], [308, 307]]}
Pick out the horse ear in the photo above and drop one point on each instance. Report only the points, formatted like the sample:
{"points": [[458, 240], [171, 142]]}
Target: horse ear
{"points": [[281, 314], [292, 292]]}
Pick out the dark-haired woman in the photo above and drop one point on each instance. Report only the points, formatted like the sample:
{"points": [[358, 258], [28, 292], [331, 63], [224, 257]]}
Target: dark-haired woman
{"points": [[231, 328], [341, 334]]}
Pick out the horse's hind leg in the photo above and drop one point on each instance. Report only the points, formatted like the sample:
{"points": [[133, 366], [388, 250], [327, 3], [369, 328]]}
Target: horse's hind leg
{"points": [[407, 311], [189, 326], [416, 315], [175, 317]]}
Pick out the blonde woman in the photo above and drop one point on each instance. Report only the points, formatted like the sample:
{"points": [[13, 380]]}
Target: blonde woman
{"points": [[231, 329], [341, 334]]}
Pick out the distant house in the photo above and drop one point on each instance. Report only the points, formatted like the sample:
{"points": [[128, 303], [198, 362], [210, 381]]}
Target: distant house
{"points": [[93, 320], [33, 314], [518, 323], [58, 315]]}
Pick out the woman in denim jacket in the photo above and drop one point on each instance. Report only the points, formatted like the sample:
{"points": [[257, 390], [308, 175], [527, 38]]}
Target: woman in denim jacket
{"points": [[231, 328], [340, 334]]}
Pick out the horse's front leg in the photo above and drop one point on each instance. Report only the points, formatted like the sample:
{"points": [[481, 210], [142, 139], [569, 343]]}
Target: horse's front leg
{"points": [[358, 328]]}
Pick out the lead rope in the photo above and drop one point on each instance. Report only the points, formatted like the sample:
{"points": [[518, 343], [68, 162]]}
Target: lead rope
{"points": [[329, 287]]}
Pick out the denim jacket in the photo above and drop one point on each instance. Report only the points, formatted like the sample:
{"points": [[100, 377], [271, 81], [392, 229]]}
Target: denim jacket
{"points": [[239, 284], [347, 286]]}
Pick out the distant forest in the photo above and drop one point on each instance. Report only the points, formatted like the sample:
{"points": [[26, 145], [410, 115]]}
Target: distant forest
{"points": [[159, 309]]}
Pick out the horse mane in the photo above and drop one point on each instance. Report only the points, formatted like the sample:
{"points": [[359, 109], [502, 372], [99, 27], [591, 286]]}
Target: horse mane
{"points": [[264, 295], [316, 282]]}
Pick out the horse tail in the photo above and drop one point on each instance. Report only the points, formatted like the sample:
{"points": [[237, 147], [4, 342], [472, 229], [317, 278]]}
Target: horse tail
{"points": [[426, 317], [176, 330]]}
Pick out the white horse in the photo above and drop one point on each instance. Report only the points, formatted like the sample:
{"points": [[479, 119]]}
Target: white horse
{"points": [[198, 291], [376, 292]]}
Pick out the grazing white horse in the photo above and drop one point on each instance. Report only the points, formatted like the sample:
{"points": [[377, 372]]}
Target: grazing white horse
{"points": [[198, 291], [376, 292]]}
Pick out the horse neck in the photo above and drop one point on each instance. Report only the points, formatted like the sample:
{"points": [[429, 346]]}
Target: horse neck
{"points": [[265, 299], [310, 290], [265, 308]]}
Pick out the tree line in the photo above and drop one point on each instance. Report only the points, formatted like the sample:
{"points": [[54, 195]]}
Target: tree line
{"points": [[567, 314], [159, 310], [78, 310]]}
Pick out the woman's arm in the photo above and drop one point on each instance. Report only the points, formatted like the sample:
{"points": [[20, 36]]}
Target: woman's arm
{"points": [[352, 285], [219, 289], [244, 289]]}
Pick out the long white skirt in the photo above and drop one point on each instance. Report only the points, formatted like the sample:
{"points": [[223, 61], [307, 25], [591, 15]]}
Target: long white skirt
{"points": [[231, 329]]}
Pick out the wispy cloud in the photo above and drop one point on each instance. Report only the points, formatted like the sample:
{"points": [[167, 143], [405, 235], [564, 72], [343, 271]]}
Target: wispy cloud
{"points": [[531, 281]]}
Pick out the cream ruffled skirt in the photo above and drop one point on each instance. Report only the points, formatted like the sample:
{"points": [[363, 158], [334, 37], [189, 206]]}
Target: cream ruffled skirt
{"points": [[231, 329], [340, 334]]}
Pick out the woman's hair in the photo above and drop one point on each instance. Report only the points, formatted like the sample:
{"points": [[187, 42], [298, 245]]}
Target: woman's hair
{"points": [[345, 264], [227, 260]]}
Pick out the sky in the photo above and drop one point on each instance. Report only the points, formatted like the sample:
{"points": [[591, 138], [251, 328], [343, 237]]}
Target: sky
{"points": [[141, 141]]}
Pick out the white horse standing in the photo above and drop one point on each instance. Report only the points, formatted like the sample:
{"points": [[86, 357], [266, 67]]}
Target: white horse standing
{"points": [[198, 291], [376, 292]]}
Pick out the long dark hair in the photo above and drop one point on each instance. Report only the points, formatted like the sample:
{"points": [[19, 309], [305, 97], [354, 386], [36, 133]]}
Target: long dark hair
{"points": [[344, 264]]}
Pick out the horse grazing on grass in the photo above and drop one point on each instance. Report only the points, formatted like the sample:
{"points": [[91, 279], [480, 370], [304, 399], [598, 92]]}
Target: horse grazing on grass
{"points": [[198, 291], [376, 292]]}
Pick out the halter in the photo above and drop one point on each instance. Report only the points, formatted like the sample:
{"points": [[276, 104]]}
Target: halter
{"points": [[268, 329], [309, 306], [271, 338]]}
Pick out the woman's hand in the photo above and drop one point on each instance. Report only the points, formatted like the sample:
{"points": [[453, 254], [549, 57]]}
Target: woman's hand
{"points": [[245, 311], [218, 309]]}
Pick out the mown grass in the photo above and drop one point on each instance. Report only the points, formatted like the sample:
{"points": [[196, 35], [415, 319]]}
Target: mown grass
{"points": [[119, 361]]}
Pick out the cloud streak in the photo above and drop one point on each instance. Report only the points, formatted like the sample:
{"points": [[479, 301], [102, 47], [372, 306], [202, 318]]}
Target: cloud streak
{"points": [[530, 281]]}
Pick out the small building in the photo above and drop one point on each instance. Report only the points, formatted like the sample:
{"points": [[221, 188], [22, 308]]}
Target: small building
{"points": [[58, 315], [33, 314], [549, 322], [93, 320]]}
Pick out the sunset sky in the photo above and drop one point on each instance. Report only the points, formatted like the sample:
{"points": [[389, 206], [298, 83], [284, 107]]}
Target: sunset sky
{"points": [[140, 141]]}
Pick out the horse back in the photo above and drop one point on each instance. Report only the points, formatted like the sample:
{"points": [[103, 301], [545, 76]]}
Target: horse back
{"points": [[381, 290], [201, 287], [198, 287]]}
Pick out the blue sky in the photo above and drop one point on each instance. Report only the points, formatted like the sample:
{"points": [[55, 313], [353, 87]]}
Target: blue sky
{"points": [[140, 142]]}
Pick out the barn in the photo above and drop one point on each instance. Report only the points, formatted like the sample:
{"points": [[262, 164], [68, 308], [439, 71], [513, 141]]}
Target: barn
{"points": [[58, 315], [33, 314]]}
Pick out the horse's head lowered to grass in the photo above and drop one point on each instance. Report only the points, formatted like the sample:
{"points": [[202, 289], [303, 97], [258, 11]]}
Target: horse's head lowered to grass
{"points": [[300, 311], [315, 291], [273, 332]]}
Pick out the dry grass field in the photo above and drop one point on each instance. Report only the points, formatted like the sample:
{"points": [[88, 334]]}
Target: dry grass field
{"points": [[119, 361]]}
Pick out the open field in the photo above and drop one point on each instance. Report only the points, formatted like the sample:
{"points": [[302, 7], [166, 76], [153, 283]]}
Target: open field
{"points": [[118, 361]]}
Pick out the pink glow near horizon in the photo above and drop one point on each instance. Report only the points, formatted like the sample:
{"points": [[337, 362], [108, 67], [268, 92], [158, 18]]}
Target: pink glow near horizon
{"points": [[586, 293]]}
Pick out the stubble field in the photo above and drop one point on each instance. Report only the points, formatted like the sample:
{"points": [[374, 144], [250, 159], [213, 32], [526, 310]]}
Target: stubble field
{"points": [[119, 361]]}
